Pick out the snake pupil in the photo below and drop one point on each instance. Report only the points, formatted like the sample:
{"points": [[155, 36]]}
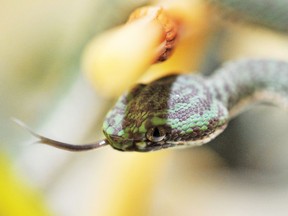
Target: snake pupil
{"points": [[156, 134]]}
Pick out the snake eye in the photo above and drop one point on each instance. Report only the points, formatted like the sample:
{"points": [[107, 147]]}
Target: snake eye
{"points": [[156, 134]]}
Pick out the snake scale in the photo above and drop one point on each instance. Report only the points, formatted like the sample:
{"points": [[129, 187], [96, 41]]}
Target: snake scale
{"points": [[187, 110]]}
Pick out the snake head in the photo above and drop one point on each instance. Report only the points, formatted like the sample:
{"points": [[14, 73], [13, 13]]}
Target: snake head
{"points": [[174, 111]]}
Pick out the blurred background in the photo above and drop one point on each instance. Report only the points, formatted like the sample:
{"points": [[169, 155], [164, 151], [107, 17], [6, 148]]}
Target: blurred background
{"points": [[243, 172]]}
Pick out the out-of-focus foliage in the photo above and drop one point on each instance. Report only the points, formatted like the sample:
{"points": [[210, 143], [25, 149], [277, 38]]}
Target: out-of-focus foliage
{"points": [[270, 13]]}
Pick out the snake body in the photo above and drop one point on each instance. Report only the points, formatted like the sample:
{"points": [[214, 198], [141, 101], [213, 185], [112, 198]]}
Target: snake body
{"points": [[188, 110]]}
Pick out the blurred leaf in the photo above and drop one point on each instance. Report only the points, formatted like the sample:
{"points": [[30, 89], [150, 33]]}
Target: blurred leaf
{"points": [[273, 14], [16, 198]]}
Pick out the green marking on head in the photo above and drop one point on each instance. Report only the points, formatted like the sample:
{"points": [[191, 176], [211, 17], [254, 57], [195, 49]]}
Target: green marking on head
{"points": [[105, 125], [190, 130], [125, 135], [204, 128], [121, 133], [142, 128], [118, 119], [186, 127], [141, 145], [158, 121], [109, 130]]}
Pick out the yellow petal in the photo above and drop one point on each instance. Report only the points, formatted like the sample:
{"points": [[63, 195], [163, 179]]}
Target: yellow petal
{"points": [[16, 198], [116, 59], [196, 30]]}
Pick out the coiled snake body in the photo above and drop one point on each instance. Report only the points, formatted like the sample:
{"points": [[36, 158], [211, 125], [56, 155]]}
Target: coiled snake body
{"points": [[188, 110]]}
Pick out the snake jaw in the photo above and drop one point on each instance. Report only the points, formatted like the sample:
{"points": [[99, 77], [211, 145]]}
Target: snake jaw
{"points": [[199, 141], [147, 146]]}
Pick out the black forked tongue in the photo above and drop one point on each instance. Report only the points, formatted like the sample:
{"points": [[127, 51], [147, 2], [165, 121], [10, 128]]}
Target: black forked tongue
{"points": [[62, 145]]}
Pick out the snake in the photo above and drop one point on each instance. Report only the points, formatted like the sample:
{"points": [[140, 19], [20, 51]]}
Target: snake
{"points": [[186, 110]]}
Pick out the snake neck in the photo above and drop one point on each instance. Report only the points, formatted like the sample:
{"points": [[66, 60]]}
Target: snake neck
{"points": [[240, 84]]}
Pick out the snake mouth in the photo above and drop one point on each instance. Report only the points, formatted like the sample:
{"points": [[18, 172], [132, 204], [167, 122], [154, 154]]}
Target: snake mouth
{"points": [[146, 147], [139, 145]]}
